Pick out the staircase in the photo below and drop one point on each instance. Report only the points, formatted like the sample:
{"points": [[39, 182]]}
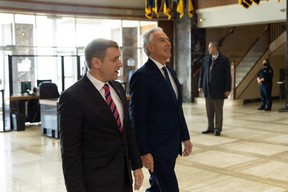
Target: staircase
{"points": [[246, 67], [246, 70]]}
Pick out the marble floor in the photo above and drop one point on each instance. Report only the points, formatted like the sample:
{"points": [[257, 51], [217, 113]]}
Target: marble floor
{"points": [[251, 155]]}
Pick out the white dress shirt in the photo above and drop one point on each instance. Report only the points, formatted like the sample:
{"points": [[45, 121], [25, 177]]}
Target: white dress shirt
{"points": [[99, 86], [160, 66]]}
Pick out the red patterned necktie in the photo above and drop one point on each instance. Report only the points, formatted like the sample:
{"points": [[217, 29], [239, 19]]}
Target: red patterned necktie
{"points": [[112, 106]]}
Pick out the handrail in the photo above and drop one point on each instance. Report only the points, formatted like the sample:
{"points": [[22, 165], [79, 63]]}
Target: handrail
{"points": [[229, 32], [196, 72], [253, 44], [252, 70]]}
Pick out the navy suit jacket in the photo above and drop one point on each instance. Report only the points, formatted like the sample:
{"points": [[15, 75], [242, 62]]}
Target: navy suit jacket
{"points": [[155, 113], [220, 77], [94, 151]]}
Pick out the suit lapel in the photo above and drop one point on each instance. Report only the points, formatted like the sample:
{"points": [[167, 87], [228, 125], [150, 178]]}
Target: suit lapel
{"points": [[97, 97], [157, 73], [176, 82], [92, 91]]}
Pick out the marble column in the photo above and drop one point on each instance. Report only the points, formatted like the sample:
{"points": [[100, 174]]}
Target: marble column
{"points": [[182, 53]]}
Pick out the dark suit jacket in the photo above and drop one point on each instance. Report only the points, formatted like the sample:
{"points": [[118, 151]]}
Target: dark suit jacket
{"points": [[155, 113], [94, 152], [220, 77]]}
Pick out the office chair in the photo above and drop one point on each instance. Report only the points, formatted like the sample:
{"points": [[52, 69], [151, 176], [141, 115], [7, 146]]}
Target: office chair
{"points": [[48, 90], [48, 113]]}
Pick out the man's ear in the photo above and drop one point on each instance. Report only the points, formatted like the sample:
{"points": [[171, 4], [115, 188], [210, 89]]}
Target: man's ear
{"points": [[96, 62], [149, 48]]}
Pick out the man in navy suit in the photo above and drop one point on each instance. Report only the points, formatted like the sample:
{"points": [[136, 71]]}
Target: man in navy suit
{"points": [[215, 83], [98, 152], [157, 115]]}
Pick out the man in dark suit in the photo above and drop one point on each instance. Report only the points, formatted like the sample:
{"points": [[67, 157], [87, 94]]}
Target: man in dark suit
{"points": [[98, 146], [156, 113], [215, 82]]}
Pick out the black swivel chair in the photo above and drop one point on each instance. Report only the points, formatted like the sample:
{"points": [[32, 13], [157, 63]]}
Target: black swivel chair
{"points": [[49, 117], [48, 90]]}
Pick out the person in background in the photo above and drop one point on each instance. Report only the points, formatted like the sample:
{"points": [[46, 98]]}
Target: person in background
{"points": [[215, 83], [98, 145], [264, 79], [157, 115]]}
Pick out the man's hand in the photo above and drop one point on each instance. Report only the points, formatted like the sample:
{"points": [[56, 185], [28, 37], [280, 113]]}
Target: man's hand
{"points": [[187, 148], [148, 161], [260, 80], [227, 93], [138, 178]]}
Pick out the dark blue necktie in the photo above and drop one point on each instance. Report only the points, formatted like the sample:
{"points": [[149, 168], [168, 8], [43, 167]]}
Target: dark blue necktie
{"points": [[168, 81]]}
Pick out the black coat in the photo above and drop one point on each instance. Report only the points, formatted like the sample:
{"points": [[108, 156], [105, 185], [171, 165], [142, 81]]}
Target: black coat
{"points": [[220, 77], [267, 74]]}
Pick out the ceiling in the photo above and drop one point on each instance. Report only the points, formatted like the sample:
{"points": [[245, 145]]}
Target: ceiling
{"points": [[104, 3]]}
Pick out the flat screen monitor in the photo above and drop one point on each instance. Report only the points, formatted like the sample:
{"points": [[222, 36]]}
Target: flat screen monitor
{"points": [[25, 87], [39, 81]]}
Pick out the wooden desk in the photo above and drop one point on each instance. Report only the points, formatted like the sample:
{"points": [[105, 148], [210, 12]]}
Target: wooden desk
{"points": [[49, 117], [23, 97], [26, 107]]}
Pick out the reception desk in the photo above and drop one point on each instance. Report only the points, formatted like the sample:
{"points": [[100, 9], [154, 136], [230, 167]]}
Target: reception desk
{"points": [[49, 117]]}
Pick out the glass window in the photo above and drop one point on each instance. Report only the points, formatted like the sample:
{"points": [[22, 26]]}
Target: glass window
{"points": [[89, 29], [129, 49], [44, 31], [65, 32], [24, 31], [144, 26], [42, 63], [44, 39], [6, 29]]}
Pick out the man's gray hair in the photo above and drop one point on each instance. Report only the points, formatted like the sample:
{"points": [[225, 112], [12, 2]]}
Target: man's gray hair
{"points": [[147, 38]]}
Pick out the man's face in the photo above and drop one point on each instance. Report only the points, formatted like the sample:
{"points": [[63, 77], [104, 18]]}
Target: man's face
{"points": [[160, 48], [212, 49], [110, 65]]}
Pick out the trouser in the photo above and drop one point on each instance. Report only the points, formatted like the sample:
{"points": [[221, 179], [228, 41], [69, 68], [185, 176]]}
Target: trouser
{"points": [[214, 110], [266, 91], [127, 187], [163, 179]]}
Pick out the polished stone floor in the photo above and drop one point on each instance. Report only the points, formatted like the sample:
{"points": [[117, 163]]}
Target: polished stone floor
{"points": [[251, 155]]}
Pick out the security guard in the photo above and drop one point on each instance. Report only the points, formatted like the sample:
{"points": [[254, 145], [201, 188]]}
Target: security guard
{"points": [[264, 79]]}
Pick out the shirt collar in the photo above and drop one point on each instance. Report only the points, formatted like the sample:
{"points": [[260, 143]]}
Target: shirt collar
{"points": [[97, 83], [159, 65], [215, 56]]}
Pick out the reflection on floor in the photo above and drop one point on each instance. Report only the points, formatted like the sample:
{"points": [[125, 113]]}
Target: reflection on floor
{"points": [[250, 155]]}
